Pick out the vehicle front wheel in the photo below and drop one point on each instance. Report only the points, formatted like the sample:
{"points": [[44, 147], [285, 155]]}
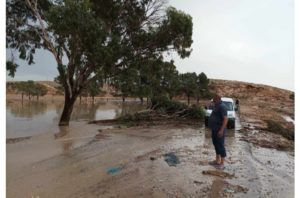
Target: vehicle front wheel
{"points": [[206, 121]]}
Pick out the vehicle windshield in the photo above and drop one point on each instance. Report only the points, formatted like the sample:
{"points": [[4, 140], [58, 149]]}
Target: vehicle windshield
{"points": [[228, 105]]}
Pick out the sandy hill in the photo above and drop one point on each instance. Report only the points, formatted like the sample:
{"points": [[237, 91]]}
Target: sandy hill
{"points": [[243, 90], [234, 89]]}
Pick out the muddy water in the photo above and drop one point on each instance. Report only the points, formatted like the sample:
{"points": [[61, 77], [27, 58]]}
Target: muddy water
{"points": [[73, 162], [32, 118]]}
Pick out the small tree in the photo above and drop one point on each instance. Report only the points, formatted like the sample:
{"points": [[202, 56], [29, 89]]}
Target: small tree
{"points": [[188, 83], [94, 89], [170, 79], [11, 67], [40, 90], [202, 86]]}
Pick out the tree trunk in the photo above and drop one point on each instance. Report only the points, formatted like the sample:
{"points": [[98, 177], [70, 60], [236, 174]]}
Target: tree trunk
{"points": [[67, 111], [22, 97], [123, 99], [93, 98], [188, 100]]}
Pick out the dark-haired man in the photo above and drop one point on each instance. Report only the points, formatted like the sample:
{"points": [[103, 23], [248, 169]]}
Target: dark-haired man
{"points": [[218, 122]]}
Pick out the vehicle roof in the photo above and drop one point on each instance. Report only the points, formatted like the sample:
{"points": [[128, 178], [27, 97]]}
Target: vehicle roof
{"points": [[227, 99]]}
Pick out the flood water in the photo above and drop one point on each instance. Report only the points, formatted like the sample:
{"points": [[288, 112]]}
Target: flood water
{"points": [[73, 161], [37, 117]]}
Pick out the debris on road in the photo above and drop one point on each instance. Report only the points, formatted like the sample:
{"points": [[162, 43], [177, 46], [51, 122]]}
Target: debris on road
{"points": [[228, 190], [218, 173], [198, 182], [113, 170], [171, 159]]}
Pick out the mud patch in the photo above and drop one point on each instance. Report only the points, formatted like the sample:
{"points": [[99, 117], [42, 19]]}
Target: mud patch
{"points": [[221, 188], [267, 140], [101, 136], [221, 174], [152, 155], [15, 140]]}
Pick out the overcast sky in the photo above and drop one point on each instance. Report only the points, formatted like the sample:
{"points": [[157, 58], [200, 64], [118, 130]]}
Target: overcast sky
{"points": [[246, 40]]}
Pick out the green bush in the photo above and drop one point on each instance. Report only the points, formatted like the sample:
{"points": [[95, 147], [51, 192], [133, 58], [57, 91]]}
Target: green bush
{"points": [[164, 104], [196, 112]]}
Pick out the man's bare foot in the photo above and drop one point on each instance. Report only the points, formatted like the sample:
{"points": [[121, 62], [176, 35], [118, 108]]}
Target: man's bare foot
{"points": [[220, 166], [214, 162]]}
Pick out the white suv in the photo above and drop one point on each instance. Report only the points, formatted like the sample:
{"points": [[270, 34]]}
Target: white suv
{"points": [[230, 105]]}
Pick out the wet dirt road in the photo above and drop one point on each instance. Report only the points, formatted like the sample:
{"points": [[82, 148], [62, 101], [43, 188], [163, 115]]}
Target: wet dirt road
{"points": [[75, 163]]}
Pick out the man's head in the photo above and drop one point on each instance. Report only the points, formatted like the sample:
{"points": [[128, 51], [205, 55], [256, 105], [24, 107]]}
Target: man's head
{"points": [[217, 99]]}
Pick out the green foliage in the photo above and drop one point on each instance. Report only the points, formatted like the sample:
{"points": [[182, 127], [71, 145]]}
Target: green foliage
{"points": [[11, 67], [94, 88], [202, 90], [188, 83], [164, 104], [196, 112], [39, 90]]}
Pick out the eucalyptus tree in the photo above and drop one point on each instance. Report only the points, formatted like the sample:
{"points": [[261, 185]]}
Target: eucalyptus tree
{"points": [[88, 38]]}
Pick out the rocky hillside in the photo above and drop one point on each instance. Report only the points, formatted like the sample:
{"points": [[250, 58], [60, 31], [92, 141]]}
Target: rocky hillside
{"points": [[263, 109], [243, 90]]}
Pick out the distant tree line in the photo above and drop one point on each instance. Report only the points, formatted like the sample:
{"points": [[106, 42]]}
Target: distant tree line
{"points": [[160, 79], [29, 88]]}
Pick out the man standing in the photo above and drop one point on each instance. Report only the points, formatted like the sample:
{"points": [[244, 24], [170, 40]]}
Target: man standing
{"points": [[218, 122]]}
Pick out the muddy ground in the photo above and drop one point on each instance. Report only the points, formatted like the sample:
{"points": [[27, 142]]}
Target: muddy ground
{"points": [[81, 161]]}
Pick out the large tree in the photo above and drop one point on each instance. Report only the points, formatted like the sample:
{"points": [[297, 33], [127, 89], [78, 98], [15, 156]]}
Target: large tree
{"points": [[94, 37]]}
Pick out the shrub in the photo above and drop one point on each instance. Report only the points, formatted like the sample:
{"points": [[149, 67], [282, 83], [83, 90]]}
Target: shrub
{"points": [[164, 104], [196, 112]]}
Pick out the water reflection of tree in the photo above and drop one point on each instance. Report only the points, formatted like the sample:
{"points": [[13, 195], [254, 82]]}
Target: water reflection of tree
{"points": [[67, 144], [85, 111], [128, 108], [28, 109]]}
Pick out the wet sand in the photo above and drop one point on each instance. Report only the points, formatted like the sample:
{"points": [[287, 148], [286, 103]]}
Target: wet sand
{"points": [[74, 163]]}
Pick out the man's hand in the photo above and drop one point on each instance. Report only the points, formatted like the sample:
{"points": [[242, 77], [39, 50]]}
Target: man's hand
{"points": [[220, 133], [224, 124]]}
